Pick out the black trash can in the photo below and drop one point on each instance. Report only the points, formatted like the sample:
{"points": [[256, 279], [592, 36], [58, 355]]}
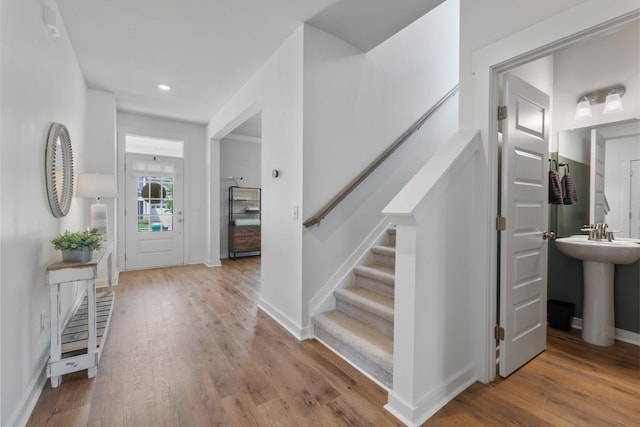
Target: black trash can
{"points": [[560, 314]]}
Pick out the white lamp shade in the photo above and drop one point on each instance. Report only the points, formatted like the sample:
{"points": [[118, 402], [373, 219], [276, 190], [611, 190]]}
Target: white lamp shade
{"points": [[96, 185], [613, 103], [583, 110]]}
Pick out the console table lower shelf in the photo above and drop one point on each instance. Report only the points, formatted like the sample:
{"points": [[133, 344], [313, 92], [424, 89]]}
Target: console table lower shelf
{"points": [[75, 338], [78, 344]]}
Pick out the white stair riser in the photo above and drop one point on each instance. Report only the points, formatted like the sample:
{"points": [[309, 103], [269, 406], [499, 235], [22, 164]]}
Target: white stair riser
{"points": [[392, 237], [375, 285], [383, 259]]}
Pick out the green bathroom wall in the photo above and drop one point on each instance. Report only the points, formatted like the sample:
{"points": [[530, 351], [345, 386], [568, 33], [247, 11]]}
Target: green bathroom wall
{"points": [[565, 276]]}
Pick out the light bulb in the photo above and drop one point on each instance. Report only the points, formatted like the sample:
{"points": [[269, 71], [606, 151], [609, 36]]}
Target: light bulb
{"points": [[613, 103], [584, 109]]}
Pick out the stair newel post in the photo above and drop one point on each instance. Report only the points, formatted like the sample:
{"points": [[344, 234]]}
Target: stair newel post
{"points": [[405, 343]]}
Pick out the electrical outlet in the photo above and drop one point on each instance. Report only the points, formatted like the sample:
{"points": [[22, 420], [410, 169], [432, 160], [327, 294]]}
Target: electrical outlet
{"points": [[44, 322]]}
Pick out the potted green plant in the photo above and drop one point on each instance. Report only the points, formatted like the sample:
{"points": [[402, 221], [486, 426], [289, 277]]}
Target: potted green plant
{"points": [[78, 246]]}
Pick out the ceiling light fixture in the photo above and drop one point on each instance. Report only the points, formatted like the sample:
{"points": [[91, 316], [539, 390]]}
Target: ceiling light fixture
{"points": [[164, 86], [610, 97]]}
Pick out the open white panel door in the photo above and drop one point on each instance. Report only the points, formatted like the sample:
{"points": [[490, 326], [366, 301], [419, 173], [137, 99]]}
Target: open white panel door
{"points": [[524, 201], [597, 209]]}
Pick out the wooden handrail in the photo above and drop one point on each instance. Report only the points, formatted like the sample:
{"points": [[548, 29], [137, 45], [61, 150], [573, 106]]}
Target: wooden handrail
{"points": [[322, 213]]}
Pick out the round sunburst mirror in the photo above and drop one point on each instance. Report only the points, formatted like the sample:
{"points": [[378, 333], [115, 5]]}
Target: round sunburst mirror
{"points": [[59, 170]]}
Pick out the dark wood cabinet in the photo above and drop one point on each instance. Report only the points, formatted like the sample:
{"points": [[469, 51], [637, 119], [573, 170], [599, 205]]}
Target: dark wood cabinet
{"points": [[244, 221]]}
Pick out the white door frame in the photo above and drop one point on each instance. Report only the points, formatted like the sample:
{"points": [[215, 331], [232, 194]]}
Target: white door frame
{"points": [[160, 133], [557, 32]]}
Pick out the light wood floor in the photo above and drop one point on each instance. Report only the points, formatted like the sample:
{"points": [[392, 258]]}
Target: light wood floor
{"points": [[188, 347]]}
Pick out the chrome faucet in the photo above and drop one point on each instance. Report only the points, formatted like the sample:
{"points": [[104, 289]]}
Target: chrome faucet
{"points": [[599, 232]]}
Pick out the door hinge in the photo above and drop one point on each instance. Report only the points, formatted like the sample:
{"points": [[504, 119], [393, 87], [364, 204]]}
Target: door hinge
{"points": [[501, 223], [502, 112], [499, 333]]}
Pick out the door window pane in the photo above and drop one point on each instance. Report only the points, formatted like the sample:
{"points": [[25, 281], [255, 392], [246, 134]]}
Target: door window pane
{"points": [[155, 204]]}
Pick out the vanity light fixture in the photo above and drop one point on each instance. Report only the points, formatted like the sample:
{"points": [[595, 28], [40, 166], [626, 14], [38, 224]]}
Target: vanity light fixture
{"points": [[610, 97], [165, 87]]}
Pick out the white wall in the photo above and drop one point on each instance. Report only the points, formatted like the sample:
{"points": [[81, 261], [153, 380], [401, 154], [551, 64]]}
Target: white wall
{"points": [[195, 200], [599, 64], [237, 158], [356, 105], [101, 157], [494, 32], [40, 83], [483, 23], [276, 90]]}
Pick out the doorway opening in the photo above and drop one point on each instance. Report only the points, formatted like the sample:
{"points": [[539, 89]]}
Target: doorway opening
{"points": [[556, 70], [240, 170]]}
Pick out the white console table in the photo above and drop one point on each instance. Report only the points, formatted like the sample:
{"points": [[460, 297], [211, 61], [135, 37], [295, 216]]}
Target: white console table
{"points": [[78, 345]]}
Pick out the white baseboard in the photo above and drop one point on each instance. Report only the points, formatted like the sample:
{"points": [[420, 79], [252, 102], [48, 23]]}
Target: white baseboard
{"points": [[210, 264], [283, 320], [415, 414], [28, 402], [621, 335]]}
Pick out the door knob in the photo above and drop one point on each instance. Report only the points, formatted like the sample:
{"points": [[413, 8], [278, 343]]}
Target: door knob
{"points": [[548, 235]]}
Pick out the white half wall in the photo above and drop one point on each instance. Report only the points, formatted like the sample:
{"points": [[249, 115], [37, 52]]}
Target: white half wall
{"points": [[195, 160], [40, 83]]}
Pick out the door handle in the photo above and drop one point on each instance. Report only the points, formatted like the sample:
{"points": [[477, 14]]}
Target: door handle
{"points": [[548, 235]]}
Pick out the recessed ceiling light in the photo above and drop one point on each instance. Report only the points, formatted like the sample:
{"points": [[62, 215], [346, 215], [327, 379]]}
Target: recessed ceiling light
{"points": [[164, 87]]}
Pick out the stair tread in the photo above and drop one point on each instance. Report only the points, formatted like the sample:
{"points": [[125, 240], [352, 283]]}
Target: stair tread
{"points": [[378, 272], [384, 250], [370, 301], [364, 339]]}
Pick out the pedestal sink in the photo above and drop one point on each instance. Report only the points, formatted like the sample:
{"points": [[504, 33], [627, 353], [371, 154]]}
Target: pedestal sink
{"points": [[598, 259]]}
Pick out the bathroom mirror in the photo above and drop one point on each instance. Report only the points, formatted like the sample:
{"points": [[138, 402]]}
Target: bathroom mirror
{"points": [[604, 161], [59, 170]]}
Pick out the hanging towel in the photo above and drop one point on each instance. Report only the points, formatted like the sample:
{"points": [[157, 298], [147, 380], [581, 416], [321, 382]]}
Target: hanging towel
{"points": [[569, 194], [555, 188]]}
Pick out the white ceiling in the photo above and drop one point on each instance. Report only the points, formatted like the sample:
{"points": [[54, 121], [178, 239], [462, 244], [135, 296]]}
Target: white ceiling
{"points": [[206, 49]]}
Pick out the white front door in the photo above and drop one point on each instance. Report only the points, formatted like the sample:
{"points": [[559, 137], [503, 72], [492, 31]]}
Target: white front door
{"points": [[524, 204], [154, 212]]}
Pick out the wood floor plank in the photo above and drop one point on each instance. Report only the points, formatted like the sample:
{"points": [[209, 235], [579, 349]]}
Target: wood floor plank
{"points": [[188, 346]]}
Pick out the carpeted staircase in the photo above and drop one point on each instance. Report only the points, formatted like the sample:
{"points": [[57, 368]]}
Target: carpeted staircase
{"points": [[361, 327]]}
